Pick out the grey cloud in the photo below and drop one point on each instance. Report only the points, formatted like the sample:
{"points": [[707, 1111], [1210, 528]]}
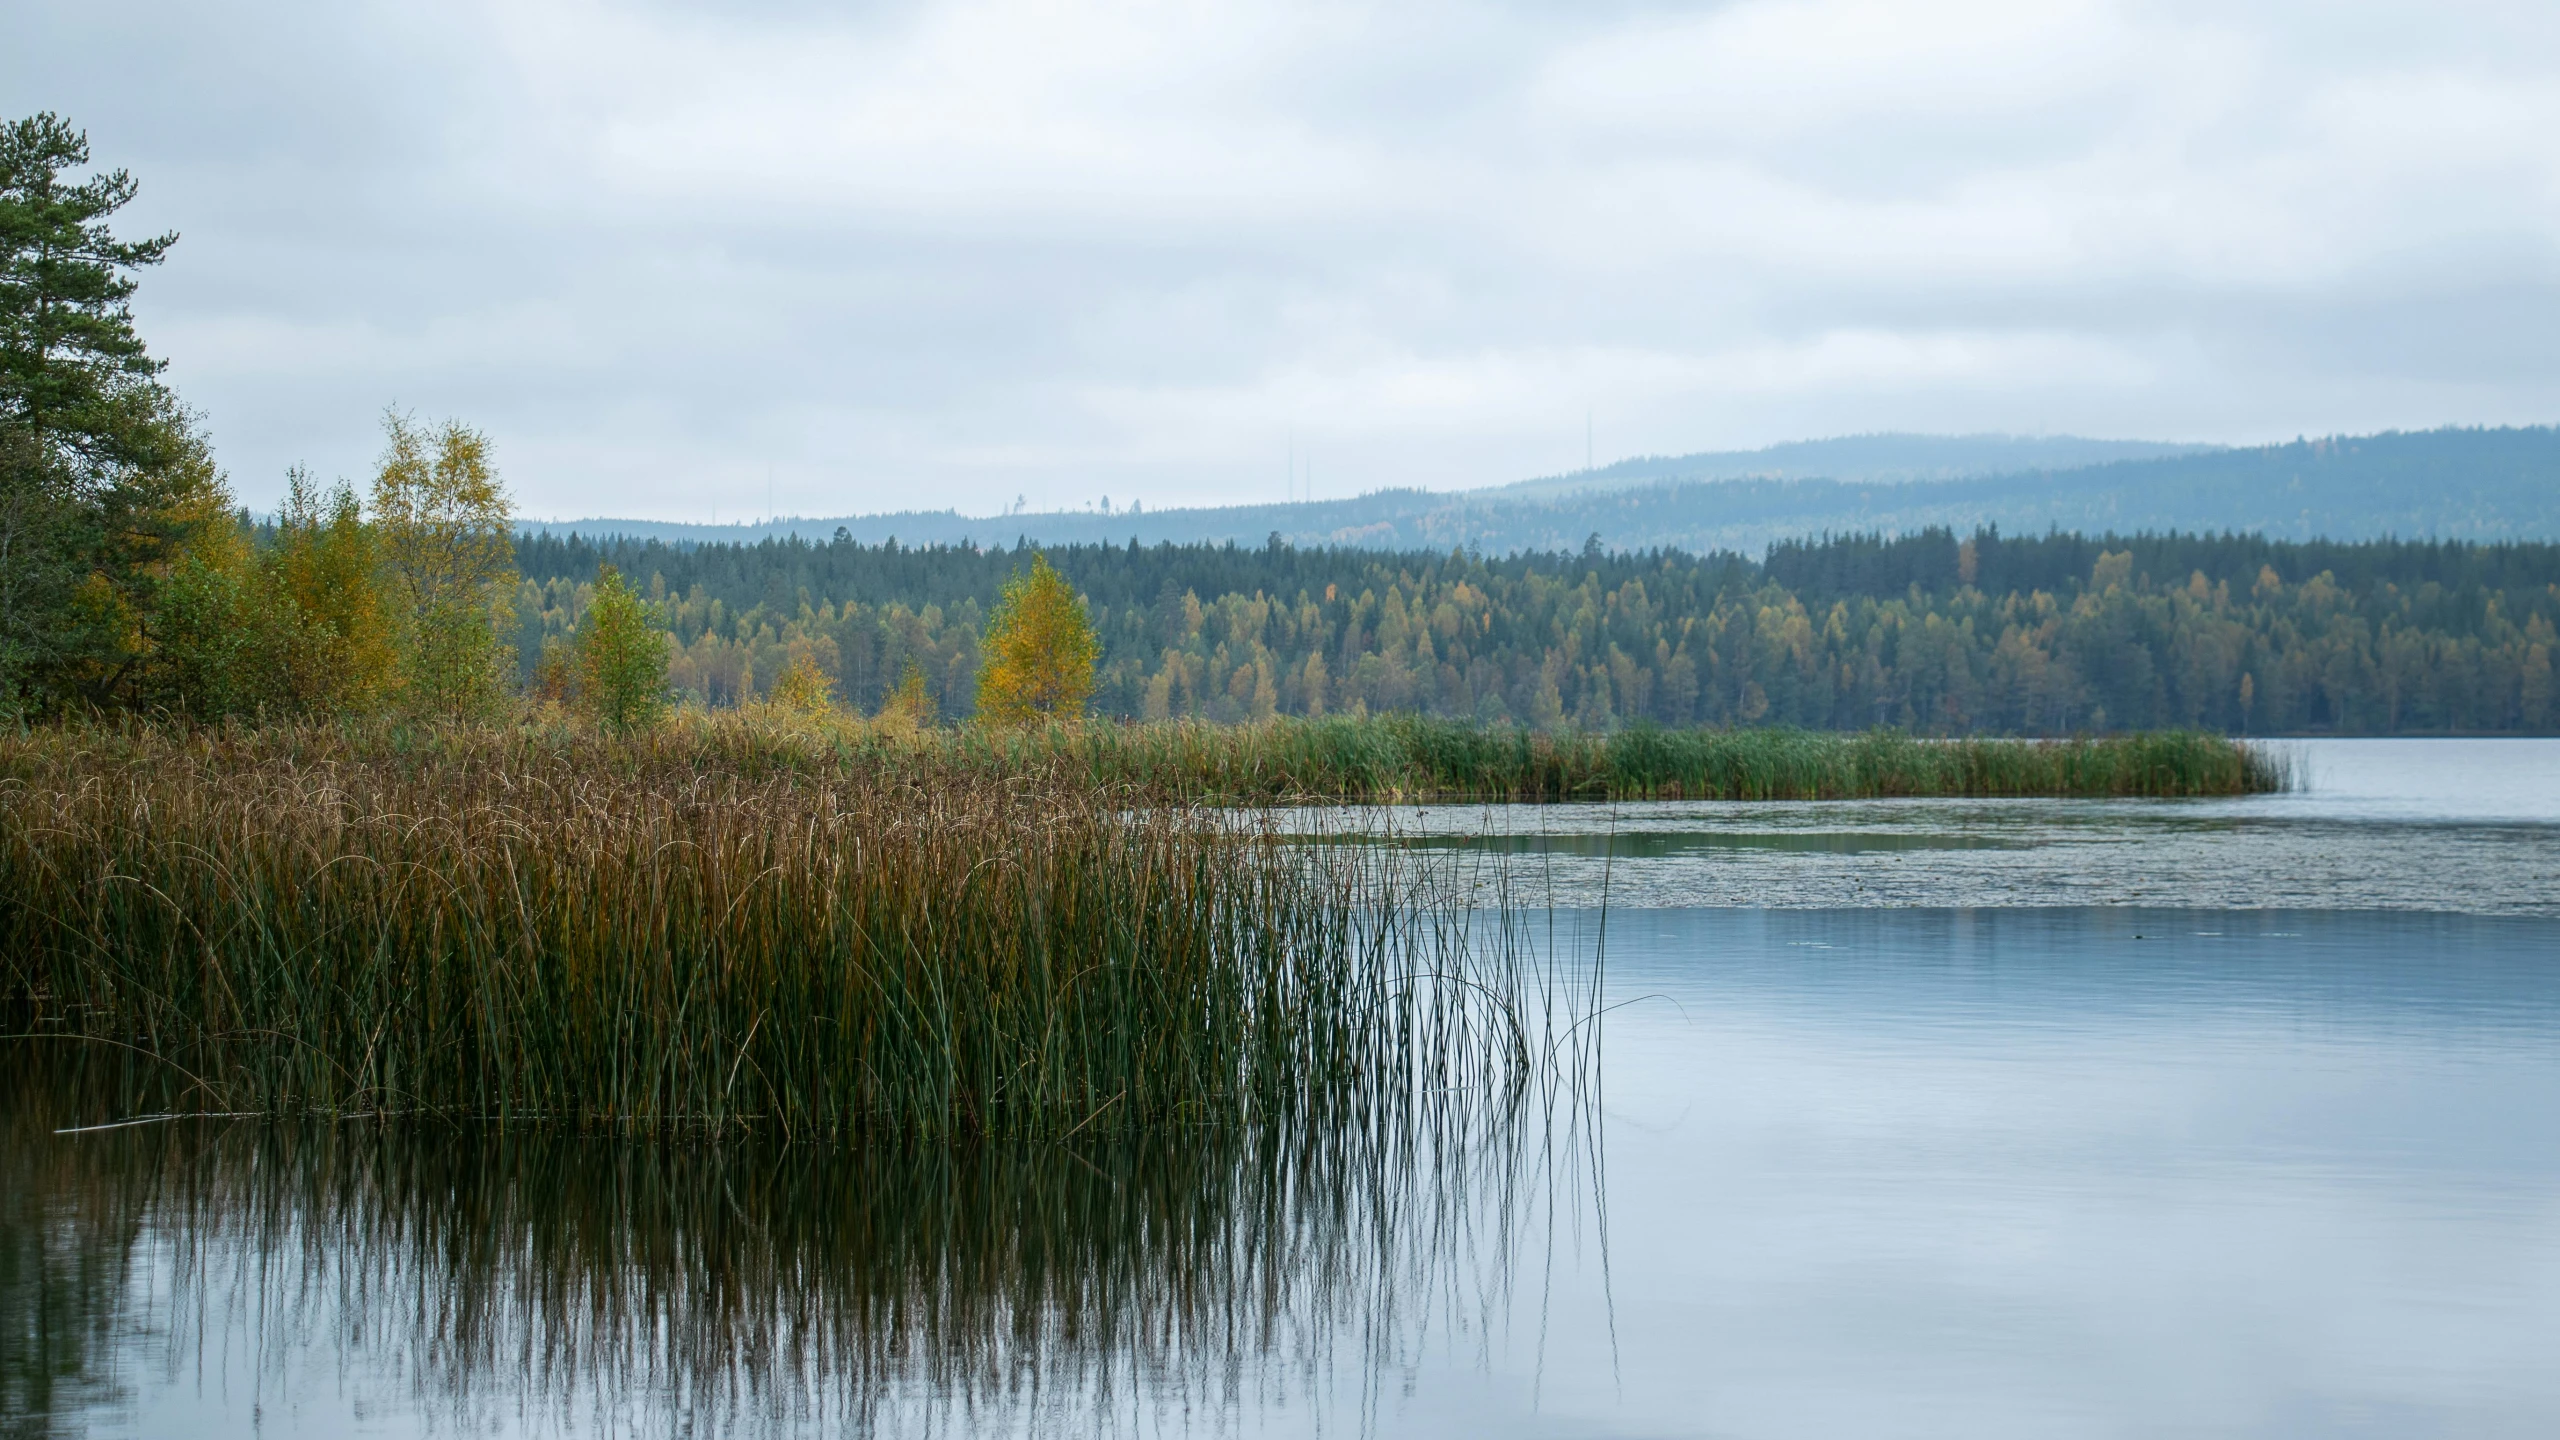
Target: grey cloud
{"points": [[938, 253]]}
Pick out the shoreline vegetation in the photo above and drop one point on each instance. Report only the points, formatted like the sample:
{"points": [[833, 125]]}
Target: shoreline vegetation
{"points": [[717, 923], [834, 927], [1413, 758]]}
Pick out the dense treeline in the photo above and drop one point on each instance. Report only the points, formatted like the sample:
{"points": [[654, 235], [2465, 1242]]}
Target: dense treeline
{"points": [[130, 581], [1992, 633]]}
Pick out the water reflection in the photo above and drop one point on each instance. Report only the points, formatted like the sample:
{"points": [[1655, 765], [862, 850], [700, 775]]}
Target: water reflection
{"points": [[200, 1272]]}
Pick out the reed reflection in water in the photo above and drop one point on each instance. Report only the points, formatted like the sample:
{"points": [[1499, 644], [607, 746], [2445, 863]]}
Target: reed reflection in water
{"points": [[494, 1280]]}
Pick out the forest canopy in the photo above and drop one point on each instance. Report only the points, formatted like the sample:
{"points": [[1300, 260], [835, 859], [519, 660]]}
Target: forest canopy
{"points": [[1932, 632]]}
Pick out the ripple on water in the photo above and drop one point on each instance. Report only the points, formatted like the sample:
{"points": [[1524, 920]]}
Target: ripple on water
{"points": [[2469, 827]]}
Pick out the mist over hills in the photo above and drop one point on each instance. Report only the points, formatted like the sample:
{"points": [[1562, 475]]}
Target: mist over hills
{"points": [[2469, 484], [1887, 458]]}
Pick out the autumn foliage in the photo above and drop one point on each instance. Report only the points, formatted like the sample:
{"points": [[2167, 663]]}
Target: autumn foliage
{"points": [[1039, 652]]}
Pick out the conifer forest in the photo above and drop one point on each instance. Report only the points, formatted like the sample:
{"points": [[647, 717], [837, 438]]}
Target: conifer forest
{"points": [[1989, 633]]}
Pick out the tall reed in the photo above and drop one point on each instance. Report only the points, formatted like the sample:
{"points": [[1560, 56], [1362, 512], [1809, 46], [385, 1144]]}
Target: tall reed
{"points": [[715, 923], [1417, 757]]}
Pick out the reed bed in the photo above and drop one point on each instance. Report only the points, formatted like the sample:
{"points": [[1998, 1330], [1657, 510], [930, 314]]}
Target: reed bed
{"points": [[1407, 757], [838, 926], [717, 923]]}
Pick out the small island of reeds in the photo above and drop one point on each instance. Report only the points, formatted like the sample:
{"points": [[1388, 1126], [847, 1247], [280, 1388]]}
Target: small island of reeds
{"points": [[1416, 757]]}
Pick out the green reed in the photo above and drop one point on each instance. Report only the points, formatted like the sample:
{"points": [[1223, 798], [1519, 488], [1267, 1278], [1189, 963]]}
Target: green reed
{"points": [[1415, 757], [719, 922]]}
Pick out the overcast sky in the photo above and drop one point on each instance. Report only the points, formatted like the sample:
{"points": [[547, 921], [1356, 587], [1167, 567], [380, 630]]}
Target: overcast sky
{"points": [[946, 253]]}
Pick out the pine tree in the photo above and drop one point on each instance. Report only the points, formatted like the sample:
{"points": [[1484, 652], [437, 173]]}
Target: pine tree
{"points": [[104, 482], [75, 379]]}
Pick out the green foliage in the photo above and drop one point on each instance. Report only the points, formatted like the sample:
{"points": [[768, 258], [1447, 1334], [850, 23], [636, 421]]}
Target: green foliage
{"points": [[73, 374], [1414, 757], [725, 658], [289, 623], [126, 578], [1039, 651], [104, 483], [40, 572], [622, 658], [339, 652], [1927, 633], [448, 564], [215, 632]]}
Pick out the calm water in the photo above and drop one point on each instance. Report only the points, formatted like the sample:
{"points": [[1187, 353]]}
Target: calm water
{"points": [[2436, 825], [1979, 1119]]}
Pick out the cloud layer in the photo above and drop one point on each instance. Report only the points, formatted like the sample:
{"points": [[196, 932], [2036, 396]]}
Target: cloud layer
{"points": [[958, 251]]}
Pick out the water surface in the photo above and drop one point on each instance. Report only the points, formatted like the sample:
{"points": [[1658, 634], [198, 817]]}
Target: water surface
{"points": [[2458, 825], [1918, 1119]]}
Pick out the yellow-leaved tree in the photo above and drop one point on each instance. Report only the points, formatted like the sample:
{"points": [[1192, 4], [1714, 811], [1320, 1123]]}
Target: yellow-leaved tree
{"points": [[447, 540], [910, 707], [803, 689], [1036, 662], [338, 651]]}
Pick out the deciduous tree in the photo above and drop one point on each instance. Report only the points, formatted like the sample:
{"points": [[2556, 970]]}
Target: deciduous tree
{"points": [[448, 562], [323, 568], [802, 688], [910, 706], [1039, 653], [622, 657]]}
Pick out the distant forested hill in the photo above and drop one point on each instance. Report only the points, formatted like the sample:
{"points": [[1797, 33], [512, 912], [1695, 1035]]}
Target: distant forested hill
{"points": [[1863, 459], [1995, 633], [2453, 484]]}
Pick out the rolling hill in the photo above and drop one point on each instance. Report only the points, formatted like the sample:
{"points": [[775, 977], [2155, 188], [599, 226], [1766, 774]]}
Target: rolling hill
{"points": [[2470, 484]]}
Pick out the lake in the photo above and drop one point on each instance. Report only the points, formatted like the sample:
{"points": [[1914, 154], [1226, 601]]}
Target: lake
{"points": [[1987, 1118]]}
